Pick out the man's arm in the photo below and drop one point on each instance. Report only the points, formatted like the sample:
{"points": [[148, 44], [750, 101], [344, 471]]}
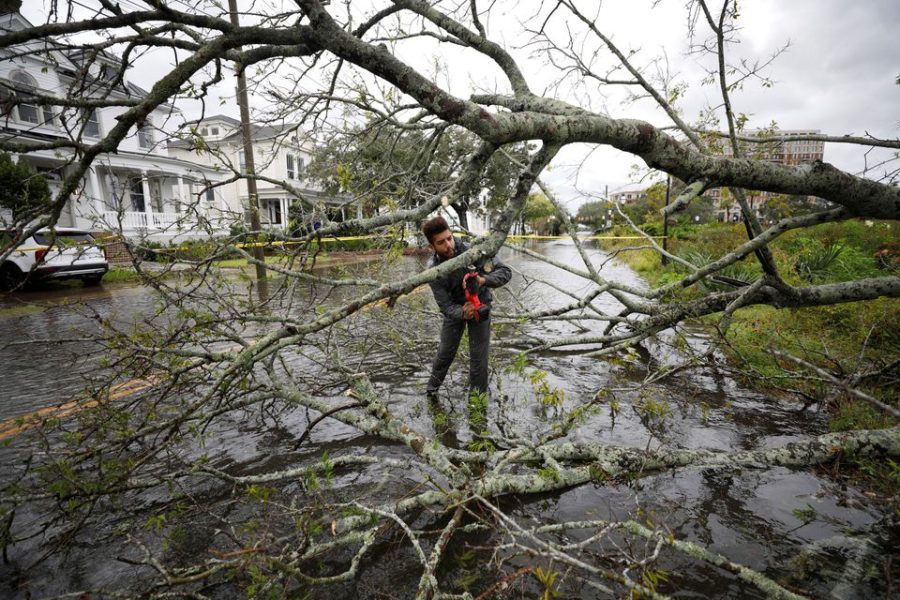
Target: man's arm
{"points": [[448, 307], [499, 275]]}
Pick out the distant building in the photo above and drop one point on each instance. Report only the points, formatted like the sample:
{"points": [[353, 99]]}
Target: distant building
{"points": [[792, 152], [628, 196], [140, 190], [281, 154]]}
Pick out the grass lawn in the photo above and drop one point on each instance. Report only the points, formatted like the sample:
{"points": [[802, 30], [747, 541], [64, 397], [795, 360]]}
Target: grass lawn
{"points": [[832, 337]]}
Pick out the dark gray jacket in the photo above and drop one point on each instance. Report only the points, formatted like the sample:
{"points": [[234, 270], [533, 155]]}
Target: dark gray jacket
{"points": [[448, 290]]}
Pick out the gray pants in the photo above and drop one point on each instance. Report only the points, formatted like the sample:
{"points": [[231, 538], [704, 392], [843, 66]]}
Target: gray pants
{"points": [[479, 346]]}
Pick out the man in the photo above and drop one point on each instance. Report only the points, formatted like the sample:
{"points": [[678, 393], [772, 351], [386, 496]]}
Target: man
{"points": [[459, 313]]}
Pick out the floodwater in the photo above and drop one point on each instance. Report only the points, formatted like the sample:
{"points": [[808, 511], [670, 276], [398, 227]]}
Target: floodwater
{"points": [[798, 527]]}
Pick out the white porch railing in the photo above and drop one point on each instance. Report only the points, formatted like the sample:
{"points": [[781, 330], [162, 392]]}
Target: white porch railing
{"points": [[166, 220], [132, 220]]}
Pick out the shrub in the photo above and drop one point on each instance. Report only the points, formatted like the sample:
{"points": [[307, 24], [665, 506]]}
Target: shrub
{"points": [[853, 263], [22, 190], [815, 258], [651, 228], [743, 270]]}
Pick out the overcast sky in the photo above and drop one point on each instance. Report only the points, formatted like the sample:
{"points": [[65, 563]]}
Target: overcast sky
{"points": [[837, 76]]}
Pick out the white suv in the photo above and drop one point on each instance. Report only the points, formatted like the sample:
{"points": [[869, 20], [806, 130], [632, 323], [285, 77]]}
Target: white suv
{"points": [[62, 253]]}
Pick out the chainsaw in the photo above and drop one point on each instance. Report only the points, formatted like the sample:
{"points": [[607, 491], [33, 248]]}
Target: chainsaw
{"points": [[470, 286]]}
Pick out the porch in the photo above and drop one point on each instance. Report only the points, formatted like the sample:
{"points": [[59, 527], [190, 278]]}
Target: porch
{"points": [[152, 203]]}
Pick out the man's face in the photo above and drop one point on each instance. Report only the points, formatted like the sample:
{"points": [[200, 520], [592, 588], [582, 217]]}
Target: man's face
{"points": [[443, 244]]}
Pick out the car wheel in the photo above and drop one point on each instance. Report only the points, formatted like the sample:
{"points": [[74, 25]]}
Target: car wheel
{"points": [[92, 280], [11, 278]]}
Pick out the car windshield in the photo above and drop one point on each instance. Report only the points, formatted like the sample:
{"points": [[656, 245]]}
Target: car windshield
{"points": [[64, 237]]}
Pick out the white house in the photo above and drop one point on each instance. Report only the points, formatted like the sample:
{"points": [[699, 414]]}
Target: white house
{"points": [[281, 153], [139, 190]]}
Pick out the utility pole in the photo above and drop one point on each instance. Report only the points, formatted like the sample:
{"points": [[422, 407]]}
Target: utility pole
{"points": [[607, 223], [665, 259], [252, 191]]}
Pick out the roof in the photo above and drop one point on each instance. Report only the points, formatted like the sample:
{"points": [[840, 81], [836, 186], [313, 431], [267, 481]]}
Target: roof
{"points": [[75, 59], [223, 118], [257, 132]]}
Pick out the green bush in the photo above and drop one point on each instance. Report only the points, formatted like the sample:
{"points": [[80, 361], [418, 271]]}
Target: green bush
{"points": [[854, 263], [816, 258], [651, 228], [150, 251], [352, 245], [189, 250], [746, 270], [830, 259], [22, 190]]}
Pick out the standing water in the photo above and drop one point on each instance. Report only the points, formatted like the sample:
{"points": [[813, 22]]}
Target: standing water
{"points": [[797, 527]]}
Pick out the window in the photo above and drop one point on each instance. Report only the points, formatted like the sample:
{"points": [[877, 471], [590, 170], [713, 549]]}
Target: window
{"points": [[46, 238], [204, 131], [92, 124], [145, 135], [242, 163], [301, 164], [215, 131], [210, 195], [291, 173], [24, 84], [49, 115], [136, 187], [275, 211]]}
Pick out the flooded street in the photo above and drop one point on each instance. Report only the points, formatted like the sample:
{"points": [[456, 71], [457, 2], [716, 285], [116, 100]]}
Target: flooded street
{"points": [[795, 526], [47, 349]]}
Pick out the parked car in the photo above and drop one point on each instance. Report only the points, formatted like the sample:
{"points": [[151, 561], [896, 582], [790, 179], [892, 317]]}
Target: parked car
{"points": [[62, 253]]}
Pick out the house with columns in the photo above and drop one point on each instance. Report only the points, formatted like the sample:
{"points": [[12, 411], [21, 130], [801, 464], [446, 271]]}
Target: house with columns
{"points": [[140, 190], [281, 152]]}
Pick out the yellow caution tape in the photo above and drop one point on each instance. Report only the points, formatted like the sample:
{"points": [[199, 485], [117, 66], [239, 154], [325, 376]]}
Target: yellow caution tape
{"points": [[323, 239]]}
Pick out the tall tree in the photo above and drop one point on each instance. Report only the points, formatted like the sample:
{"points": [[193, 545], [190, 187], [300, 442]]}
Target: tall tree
{"points": [[392, 166]]}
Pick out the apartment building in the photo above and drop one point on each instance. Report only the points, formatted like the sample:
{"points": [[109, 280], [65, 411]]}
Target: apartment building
{"points": [[788, 152], [627, 196]]}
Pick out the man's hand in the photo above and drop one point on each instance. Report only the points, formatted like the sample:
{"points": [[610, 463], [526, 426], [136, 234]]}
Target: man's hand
{"points": [[468, 311], [481, 281]]}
